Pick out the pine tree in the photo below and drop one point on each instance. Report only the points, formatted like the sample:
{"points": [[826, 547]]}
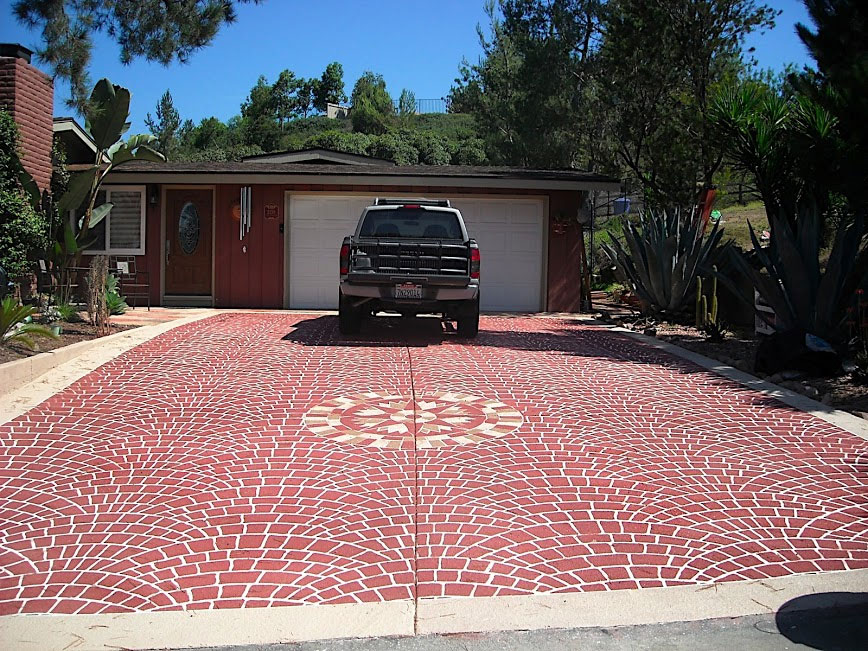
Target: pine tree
{"points": [[165, 127], [154, 29]]}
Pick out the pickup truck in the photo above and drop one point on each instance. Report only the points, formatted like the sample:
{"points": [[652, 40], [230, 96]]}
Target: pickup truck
{"points": [[410, 256]]}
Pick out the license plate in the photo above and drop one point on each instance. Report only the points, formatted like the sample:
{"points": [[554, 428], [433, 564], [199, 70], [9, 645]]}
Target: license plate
{"points": [[408, 290]]}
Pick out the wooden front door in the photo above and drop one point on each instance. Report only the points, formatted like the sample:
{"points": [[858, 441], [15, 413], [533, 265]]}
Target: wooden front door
{"points": [[188, 242]]}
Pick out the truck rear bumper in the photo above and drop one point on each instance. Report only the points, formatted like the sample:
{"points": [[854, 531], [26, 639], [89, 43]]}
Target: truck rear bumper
{"points": [[385, 292]]}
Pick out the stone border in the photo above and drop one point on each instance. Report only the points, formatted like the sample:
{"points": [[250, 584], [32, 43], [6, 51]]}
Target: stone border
{"points": [[21, 371], [844, 420], [70, 363]]}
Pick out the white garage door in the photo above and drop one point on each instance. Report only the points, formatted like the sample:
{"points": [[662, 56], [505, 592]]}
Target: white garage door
{"points": [[509, 232], [317, 225]]}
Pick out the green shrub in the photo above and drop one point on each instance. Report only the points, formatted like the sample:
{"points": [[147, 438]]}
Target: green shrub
{"points": [[470, 151], [67, 312], [394, 146], [433, 149], [23, 231], [351, 143], [115, 303]]}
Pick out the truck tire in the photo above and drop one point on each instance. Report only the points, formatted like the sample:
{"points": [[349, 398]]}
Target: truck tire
{"points": [[468, 321], [349, 317]]}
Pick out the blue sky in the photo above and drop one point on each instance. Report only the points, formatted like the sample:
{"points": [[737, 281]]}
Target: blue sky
{"points": [[415, 44]]}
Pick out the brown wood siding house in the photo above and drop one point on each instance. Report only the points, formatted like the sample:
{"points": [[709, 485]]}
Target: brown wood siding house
{"points": [[198, 251]]}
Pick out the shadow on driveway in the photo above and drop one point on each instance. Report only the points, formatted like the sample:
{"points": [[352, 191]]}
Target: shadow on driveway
{"points": [[567, 338]]}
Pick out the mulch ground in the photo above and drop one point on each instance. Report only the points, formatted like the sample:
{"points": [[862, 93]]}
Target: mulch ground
{"points": [[72, 334]]}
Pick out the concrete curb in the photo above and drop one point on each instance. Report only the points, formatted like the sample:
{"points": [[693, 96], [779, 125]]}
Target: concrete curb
{"points": [[842, 419], [63, 368], [181, 629], [198, 628], [685, 603], [21, 371]]}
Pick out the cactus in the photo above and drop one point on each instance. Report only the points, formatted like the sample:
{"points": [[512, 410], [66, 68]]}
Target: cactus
{"points": [[714, 295], [704, 316]]}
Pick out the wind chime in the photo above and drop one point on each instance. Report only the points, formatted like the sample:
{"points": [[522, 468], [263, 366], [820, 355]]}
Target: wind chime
{"points": [[246, 212]]}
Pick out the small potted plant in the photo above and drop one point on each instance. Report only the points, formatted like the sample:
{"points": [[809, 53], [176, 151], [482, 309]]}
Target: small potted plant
{"points": [[51, 316]]}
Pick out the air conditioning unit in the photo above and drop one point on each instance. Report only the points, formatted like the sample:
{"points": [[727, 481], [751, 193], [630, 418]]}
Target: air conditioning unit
{"points": [[759, 324]]}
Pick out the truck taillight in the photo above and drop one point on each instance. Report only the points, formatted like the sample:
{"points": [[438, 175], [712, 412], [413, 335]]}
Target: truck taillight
{"points": [[345, 259], [474, 263]]}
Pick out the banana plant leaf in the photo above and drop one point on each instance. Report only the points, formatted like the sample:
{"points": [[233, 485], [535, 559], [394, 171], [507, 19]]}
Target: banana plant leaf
{"points": [[136, 148], [99, 213], [78, 189], [107, 113], [30, 187]]}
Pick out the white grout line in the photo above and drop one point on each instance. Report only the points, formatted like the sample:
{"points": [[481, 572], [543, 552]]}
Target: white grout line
{"points": [[837, 417], [634, 607], [446, 615], [199, 628]]}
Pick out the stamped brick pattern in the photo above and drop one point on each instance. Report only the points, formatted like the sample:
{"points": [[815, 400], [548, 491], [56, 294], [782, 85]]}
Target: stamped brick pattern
{"points": [[252, 460]]}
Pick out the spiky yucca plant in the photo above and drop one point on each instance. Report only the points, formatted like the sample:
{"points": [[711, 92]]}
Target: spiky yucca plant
{"points": [[664, 252], [14, 327]]}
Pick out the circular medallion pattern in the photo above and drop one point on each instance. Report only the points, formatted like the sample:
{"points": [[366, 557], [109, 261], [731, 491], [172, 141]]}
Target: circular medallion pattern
{"points": [[397, 422]]}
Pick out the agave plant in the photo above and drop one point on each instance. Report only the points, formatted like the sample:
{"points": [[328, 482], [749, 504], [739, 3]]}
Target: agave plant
{"points": [[15, 326], [664, 252], [801, 293]]}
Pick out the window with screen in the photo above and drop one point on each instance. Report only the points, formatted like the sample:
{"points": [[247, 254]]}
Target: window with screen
{"points": [[123, 229]]}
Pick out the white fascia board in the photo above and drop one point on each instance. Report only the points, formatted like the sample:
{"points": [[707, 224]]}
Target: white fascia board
{"points": [[70, 125], [335, 179]]}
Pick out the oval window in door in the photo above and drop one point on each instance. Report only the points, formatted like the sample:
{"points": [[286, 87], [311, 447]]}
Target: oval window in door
{"points": [[188, 228]]}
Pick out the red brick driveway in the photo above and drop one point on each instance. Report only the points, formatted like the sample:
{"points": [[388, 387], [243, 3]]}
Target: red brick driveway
{"points": [[255, 459]]}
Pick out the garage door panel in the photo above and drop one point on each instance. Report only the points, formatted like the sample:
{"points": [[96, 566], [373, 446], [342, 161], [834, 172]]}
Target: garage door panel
{"points": [[305, 209], [491, 243], [526, 213], [305, 237], [317, 227], [509, 232]]}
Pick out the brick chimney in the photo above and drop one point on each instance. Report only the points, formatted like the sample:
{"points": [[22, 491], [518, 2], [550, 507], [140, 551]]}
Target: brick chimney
{"points": [[28, 95]]}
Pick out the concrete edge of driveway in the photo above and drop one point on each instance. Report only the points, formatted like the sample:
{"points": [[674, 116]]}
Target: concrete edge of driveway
{"points": [[181, 629], [842, 419], [635, 607], [231, 627], [21, 371], [50, 372]]}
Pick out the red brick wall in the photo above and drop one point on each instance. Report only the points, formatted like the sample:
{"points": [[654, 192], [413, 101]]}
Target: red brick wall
{"points": [[28, 95]]}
